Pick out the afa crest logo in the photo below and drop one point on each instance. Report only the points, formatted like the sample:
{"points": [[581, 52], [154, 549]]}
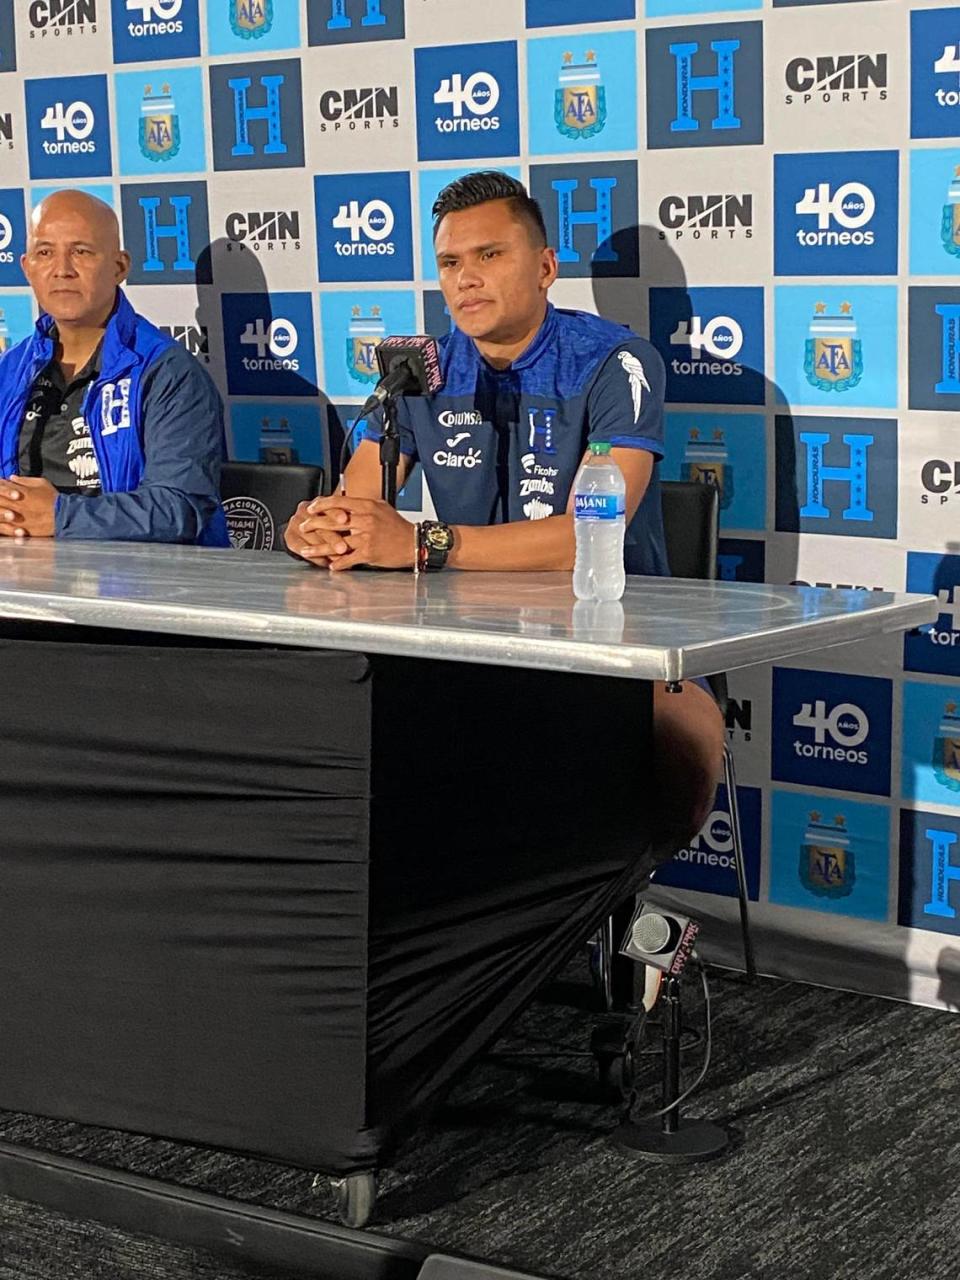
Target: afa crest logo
{"points": [[833, 358], [950, 225], [251, 19], [159, 125], [827, 858], [708, 462], [580, 102], [946, 748], [364, 336]]}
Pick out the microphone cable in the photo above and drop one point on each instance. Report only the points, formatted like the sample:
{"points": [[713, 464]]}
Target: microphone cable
{"points": [[688, 1092], [345, 446]]}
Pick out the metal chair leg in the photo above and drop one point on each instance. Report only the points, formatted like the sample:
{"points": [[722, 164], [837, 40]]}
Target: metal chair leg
{"points": [[729, 777], [606, 964]]}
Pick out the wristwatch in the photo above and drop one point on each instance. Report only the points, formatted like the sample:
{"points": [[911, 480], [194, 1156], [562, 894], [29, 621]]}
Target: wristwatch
{"points": [[434, 544]]}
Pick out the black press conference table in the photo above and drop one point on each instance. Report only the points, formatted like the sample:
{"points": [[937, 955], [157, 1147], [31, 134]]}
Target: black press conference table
{"points": [[283, 850]]}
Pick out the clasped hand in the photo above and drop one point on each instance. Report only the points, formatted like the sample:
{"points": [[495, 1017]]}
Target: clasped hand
{"points": [[27, 507], [341, 532]]}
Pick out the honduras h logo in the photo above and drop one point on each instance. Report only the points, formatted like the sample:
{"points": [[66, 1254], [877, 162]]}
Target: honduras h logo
{"points": [[946, 749], [365, 335], [159, 125], [580, 101], [833, 360], [251, 19], [827, 859], [950, 225]]}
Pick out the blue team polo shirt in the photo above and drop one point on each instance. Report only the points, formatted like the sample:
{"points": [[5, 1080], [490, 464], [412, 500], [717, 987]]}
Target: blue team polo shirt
{"points": [[499, 445]]}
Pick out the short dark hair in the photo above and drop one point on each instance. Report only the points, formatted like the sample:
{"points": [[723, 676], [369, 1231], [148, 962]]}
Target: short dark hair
{"points": [[490, 184]]}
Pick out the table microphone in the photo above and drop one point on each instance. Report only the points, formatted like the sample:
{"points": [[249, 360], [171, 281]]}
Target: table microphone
{"points": [[409, 366]]}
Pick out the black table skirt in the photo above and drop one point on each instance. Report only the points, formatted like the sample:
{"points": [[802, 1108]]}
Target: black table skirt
{"points": [[272, 900]]}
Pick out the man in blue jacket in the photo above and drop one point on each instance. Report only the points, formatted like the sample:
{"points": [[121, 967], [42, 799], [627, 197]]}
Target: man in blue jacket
{"points": [[526, 388], [108, 428]]}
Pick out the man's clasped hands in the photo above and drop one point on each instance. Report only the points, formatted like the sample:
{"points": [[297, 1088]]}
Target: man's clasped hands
{"points": [[342, 532]]}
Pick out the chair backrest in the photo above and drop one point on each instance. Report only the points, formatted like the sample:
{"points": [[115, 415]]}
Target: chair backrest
{"points": [[260, 497], [691, 522]]}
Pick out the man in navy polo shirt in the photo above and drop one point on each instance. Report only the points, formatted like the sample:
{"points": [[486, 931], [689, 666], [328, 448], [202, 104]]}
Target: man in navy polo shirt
{"points": [[526, 388]]}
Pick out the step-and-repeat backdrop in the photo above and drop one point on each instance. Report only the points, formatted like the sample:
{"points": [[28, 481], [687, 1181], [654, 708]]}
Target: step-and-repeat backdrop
{"points": [[771, 192]]}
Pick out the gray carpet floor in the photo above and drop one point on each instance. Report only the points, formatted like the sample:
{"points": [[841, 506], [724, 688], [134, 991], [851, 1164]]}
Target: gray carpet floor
{"points": [[844, 1111]]}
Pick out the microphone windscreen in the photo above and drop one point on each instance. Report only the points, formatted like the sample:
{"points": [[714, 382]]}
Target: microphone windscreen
{"points": [[421, 353]]}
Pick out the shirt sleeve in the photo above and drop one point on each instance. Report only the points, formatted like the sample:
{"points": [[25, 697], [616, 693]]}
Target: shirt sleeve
{"points": [[625, 401], [184, 446]]}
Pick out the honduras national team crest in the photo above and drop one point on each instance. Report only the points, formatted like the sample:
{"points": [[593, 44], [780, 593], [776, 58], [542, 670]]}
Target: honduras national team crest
{"points": [[706, 461], [827, 858], [365, 335], [580, 103], [159, 125], [251, 19], [946, 748], [833, 360], [950, 226]]}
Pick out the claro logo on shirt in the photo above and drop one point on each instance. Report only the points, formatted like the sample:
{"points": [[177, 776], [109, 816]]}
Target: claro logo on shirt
{"points": [[114, 406]]}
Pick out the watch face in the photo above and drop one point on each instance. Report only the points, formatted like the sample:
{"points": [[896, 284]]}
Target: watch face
{"points": [[440, 537]]}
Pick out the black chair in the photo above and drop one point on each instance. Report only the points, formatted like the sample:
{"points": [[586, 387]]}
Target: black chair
{"points": [[691, 528], [260, 497]]}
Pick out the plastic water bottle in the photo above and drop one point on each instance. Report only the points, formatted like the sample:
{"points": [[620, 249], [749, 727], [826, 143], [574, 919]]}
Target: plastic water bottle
{"points": [[598, 520]]}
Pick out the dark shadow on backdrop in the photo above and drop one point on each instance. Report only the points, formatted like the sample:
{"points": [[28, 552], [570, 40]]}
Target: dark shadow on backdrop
{"points": [[234, 268], [623, 300]]}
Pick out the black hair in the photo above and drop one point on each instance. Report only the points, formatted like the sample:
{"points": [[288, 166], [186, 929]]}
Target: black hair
{"points": [[490, 184]]}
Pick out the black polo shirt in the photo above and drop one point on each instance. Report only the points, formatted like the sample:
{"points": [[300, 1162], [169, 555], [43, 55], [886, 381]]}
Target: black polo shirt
{"points": [[54, 439]]}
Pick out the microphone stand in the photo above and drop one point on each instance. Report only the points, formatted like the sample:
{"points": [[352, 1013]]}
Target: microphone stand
{"points": [[389, 452]]}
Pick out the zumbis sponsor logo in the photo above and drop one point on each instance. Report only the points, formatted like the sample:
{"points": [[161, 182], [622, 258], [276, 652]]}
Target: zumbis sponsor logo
{"points": [[706, 217], [359, 110], [836, 79], [263, 230], [49, 19]]}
